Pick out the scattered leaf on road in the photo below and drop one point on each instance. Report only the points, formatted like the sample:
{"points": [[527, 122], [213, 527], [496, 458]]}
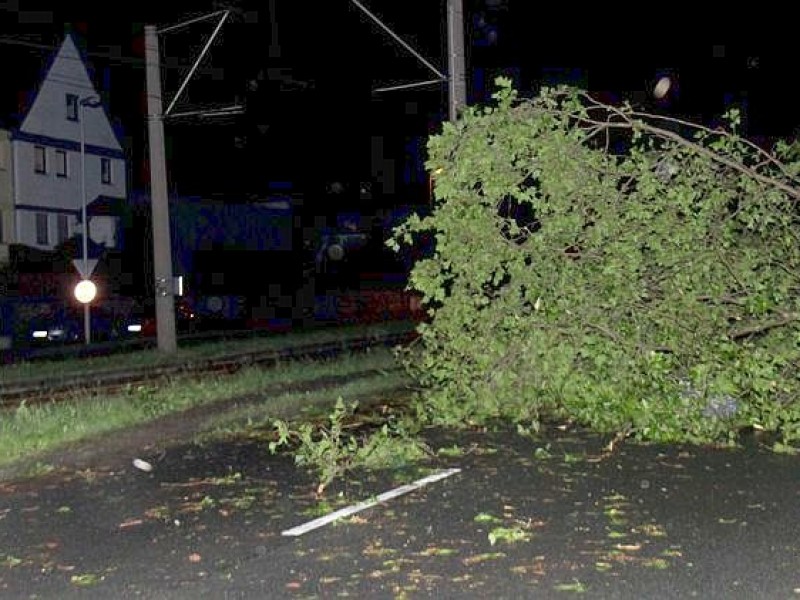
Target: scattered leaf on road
{"points": [[85, 579]]}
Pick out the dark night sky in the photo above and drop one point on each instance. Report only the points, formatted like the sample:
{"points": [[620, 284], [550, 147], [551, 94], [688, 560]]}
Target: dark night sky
{"points": [[322, 133]]}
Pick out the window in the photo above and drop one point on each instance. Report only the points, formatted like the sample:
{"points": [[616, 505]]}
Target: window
{"points": [[39, 159], [42, 233], [72, 107], [61, 163], [105, 170], [62, 228]]}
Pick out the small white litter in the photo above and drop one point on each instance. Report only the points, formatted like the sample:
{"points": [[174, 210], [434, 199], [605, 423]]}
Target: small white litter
{"points": [[142, 465]]}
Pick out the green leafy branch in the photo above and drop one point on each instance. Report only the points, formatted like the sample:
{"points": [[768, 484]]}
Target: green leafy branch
{"points": [[331, 448]]}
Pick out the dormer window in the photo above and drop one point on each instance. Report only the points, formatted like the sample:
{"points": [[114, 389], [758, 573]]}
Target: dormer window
{"points": [[72, 107]]}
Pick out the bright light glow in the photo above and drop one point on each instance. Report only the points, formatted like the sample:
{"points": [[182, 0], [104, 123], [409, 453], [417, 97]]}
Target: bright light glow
{"points": [[134, 328], [39, 334], [85, 291], [662, 87]]}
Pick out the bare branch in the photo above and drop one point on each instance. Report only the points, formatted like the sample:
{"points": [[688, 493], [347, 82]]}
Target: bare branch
{"points": [[736, 166], [633, 121], [787, 319], [723, 300], [768, 158], [723, 160]]}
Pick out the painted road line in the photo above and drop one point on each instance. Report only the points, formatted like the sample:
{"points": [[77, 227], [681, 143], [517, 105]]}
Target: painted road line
{"points": [[351, 510]]}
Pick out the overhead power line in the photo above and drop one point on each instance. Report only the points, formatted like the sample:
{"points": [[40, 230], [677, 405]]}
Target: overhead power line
{"points": [[50, 49]]}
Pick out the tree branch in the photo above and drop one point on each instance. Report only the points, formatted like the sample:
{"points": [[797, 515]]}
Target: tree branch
{"points": [[628, 116], [633, 121], [763, 328]]}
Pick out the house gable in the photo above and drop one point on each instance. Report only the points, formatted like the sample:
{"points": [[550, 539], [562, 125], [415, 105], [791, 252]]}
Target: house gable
{"points": [[51, 118], [53, 174]]}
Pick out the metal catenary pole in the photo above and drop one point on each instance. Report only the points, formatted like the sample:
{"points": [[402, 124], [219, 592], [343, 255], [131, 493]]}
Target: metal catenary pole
{"points": [[457, 81], [162, 253]]}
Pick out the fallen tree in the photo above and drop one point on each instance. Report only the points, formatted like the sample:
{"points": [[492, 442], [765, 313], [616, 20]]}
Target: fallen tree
{"points": [[628, 271]]}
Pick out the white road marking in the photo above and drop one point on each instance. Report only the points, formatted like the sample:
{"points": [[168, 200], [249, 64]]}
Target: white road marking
{"points": [[351, 510]]}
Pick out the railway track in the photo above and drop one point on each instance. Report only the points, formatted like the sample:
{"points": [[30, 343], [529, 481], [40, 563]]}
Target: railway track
{"points": [[51, 389]]}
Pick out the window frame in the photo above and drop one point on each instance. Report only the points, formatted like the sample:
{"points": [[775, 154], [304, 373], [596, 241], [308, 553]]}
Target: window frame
{"points": [[40, 159], [62, 228], [42, 233], [62, 163], [105, 171], [73, 113]]}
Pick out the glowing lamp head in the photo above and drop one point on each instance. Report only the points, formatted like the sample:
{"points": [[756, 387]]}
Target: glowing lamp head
{"points": [[662, 88], [85, 291]]}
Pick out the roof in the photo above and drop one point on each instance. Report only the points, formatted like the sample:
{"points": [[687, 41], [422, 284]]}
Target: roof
{"points": [[31, 75]]}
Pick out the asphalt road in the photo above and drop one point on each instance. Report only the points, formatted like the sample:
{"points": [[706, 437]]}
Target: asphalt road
{"points": [[523, 518]]}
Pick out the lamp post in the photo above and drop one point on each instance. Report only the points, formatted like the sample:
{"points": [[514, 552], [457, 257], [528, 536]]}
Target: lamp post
{"points": [[85, 291]]}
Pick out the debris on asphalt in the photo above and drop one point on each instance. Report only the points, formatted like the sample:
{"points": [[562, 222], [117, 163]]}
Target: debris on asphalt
{"points": [[142, 465]]}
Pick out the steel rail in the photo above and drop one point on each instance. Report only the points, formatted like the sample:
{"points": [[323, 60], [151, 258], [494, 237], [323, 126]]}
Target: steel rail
{"points": [[49, 389]]}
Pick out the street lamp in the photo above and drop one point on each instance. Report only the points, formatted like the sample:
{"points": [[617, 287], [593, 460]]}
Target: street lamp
{"points": [[86, 290]]}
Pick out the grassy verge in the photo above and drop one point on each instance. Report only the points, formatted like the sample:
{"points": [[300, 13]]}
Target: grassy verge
{"points": [[38, 429], [253, 420], [20, 372]]}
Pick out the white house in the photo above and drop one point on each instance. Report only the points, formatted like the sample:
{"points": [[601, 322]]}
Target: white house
{"points": [[6, 195], [64, 153]]}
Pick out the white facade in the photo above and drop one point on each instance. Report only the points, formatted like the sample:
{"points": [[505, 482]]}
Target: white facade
{"points": [[6, 195], [62, 148]]}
